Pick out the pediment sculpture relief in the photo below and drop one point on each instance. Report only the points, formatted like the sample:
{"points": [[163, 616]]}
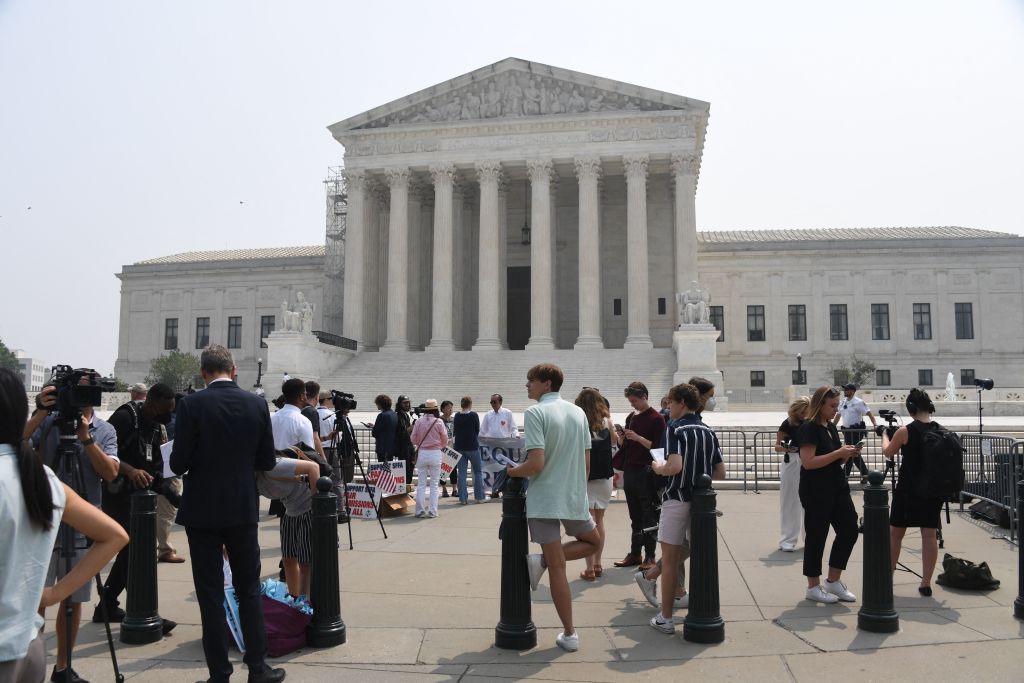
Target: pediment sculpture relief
{"points": [[513, 94]]}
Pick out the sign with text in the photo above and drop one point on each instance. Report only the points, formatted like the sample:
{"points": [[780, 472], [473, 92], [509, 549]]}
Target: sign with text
{"points": [[388, 478], [494, 451], [360, 502], [449, 460]]}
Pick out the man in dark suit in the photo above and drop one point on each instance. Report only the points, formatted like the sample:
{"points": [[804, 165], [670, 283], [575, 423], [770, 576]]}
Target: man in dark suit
{"points": [[222, 436]]}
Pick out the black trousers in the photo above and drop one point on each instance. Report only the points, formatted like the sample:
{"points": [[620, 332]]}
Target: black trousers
{"points": [[851, 435], [825, 506], [643, 502], [117, 508], [205, 547]]}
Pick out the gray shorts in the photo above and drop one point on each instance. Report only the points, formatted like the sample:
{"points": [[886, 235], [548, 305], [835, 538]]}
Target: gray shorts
{"points": [[548, 531], [674, 524], [58, 568]]}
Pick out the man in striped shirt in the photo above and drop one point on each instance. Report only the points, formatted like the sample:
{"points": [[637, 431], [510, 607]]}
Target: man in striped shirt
{"points": [[693, 450]]}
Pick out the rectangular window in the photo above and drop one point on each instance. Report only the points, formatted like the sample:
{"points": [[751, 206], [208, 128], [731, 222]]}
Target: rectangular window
{"points": [[616, 306], [964, 321], [716, 315], [267, 323], [882, 378], [755, 323], [924, 378], [757, 378], [799, 377], [202, 333], [798, 322], [170, 334], [837, 322], [922, 321], [879, 321], [661, 305], [235, 332], [840, 377], [966, 378]]}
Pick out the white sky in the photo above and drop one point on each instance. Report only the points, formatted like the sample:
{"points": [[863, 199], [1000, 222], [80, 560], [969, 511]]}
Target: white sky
{"points": [[134, 129]]}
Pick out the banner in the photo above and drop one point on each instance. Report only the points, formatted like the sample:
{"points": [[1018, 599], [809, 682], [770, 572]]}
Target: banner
{"points": [[449, 460], [513, 449], [388, 478], [360, 503]]}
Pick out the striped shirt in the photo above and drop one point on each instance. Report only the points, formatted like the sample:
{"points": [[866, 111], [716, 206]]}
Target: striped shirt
{"points": [[698, 445]]}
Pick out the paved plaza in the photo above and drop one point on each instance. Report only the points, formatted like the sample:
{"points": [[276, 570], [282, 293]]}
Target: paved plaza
{"points": [[422, 606]]}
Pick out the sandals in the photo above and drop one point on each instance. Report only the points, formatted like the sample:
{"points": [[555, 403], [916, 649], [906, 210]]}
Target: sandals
{"points": [[598, 570], [588, 575]]}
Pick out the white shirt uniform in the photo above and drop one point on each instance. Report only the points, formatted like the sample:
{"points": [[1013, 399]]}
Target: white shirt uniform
{"points": [[499, 424], [326, 425], [291, 427], [853, 411]]}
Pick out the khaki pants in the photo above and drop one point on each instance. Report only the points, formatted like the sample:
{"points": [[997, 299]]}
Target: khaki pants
{"points": [[165, 513]]}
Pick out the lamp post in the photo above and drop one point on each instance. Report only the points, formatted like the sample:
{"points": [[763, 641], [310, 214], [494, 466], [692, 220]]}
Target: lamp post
{"points": [[801, 380], [259, 377]]}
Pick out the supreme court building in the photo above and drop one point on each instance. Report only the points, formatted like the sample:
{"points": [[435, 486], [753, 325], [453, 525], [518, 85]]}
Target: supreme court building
{"points": [[527, 208]]}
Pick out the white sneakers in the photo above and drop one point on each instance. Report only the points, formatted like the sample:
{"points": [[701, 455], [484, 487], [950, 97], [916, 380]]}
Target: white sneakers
{"points": [[830, 592], [568, 643], [666, 626], [536, 569], [683, 600], [648, 587], [838, 589], [787, 547]]}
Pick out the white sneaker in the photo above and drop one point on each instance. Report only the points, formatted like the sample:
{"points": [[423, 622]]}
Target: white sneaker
{"points": [[818, 594], [648, 587], [421, 513], [683, 601], [536, 570], [659, 623], [431, 514], [568, 643], [787, 547], [838, 589]]}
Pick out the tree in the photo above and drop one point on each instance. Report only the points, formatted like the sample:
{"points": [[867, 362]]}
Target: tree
{"points": [[177, 370], [852, 369], [119, 384], [8, 359]]}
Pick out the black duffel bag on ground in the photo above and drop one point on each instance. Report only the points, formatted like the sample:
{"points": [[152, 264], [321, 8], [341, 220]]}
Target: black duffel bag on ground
{"points": [[959, 573]]}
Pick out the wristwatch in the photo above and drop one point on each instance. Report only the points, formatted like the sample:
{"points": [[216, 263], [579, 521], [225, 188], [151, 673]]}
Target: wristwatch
{"points": [[88, 442]]}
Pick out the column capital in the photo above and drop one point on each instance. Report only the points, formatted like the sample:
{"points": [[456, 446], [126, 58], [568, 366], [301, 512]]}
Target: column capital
{"points": [[419, 190], [685, 164], [443, 174], [377, 190], [540, 169], [397, 177], [587, 168], [635, 165], [488, 172], [355, 179]]}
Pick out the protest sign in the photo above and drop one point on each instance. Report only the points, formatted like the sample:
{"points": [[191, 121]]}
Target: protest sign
{"points": [[449, 460], [360, 502], [388, 478], [495, 451]]}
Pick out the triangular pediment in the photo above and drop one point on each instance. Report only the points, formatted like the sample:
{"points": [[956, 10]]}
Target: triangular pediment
{"points": [[515, 88]]}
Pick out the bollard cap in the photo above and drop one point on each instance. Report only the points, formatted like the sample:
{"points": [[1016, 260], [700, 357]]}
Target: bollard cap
{"points": [[875, 478], [324, 484], [703, 482]]}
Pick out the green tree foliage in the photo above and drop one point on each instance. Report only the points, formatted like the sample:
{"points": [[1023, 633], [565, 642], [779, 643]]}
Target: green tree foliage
{"points": [[8, 359], [852, 369], [177, 370]]}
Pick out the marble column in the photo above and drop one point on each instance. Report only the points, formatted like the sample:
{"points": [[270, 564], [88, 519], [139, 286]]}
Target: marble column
{"points": [[441, 318], [638, 322], [355, 234], [684, 175], [588, 171], [489, 302], [503, 262], [541, 250], [396, 338]]}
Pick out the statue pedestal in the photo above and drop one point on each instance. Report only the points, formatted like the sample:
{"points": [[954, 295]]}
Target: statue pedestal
{"points": [[697, 356], [303, 356]]}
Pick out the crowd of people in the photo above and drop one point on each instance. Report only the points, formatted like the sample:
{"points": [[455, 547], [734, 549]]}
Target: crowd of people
{"points": [[574, 450]]}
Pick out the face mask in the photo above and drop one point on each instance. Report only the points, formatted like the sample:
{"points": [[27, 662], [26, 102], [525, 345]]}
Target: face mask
{"points": [[164, 419], [710, 405]]}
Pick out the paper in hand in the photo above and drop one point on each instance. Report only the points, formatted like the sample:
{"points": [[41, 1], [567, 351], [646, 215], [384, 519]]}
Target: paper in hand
{"points": [[502, 459], [658, 454], [165, 451]]}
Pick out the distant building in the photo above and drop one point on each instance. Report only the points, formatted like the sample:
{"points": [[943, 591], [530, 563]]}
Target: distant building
{"points": [[32, 370]]}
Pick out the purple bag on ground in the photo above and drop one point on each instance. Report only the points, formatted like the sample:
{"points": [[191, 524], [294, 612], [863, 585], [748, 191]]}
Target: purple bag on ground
{"points": [[286, 627]]}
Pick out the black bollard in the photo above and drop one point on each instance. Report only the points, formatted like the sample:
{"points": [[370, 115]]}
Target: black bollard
{"points": [[326, 629], [703, 623], [515, 629], [142, 623], [1018, 604], [876, 613]]}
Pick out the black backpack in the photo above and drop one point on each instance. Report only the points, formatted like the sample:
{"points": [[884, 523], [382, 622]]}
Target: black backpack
{"points": [[942, 458]]}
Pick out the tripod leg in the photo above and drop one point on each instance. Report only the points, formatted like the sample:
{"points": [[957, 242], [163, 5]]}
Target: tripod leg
{"points": [[359, 461], [348, 511], [118, 676]]}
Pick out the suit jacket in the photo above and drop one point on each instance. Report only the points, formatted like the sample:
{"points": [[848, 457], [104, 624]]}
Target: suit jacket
{"points": [[384, 428], [222, 436]]}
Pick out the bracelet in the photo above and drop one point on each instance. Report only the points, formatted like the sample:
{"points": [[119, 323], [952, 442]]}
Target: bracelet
{"points": [[88, 442]]}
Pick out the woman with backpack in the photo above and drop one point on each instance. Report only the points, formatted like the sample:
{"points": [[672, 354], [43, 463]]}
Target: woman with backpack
{"points": [[911, 506]]}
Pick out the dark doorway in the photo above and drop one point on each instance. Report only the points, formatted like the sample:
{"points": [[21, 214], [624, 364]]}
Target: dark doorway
{"points": [[518, 288]]}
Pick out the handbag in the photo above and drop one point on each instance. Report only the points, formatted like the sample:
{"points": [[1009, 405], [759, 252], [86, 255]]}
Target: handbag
{"points": [[960, 573]]}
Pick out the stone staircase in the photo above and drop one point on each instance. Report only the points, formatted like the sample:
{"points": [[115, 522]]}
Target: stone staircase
{"points": [[423, 375]]}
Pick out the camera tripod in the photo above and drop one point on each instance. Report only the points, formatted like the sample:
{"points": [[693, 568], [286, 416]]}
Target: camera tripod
{"points": [[339, 474], [68, 468]]}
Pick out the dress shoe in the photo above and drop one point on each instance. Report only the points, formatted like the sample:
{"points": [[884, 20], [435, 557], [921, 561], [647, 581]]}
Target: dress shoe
{"points": [[266, 675], [647, 563], [67, 675], [171, 557], [114, 613], [629, 560], [168, 626]]}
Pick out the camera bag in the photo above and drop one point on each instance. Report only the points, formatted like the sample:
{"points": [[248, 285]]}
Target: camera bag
{"points": [[960, 573], [942, 473]]}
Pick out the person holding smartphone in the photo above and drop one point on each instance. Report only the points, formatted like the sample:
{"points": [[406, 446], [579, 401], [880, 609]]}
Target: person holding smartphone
{"points": [[825, 496], [791, 514]]}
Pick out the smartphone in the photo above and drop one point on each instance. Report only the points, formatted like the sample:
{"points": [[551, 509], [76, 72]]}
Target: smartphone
{"points": [[619, 429], [859, 444]]}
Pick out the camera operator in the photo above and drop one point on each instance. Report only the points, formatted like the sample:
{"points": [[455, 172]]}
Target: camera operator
{"points": [[852, 412], [346, 448], [309, 410], [908, 508], [141, 466], [325, 413], [95, 451], [403, 438]]}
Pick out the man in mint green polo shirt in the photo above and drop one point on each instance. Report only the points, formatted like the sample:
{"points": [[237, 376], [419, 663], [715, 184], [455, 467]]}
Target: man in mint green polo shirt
{"points": [[557, 463]]}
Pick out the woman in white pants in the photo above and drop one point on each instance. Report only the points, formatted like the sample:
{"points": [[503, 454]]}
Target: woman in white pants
{"points": [[791, 512], [430, 435]]}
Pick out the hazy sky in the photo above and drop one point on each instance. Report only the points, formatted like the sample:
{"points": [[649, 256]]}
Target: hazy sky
{"points": [[134, 129]]}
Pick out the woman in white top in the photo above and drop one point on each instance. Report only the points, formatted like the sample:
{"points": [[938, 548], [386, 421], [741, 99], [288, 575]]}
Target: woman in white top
{"points": [[32, 503]]}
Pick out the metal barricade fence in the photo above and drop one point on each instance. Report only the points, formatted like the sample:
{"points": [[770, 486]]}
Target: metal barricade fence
{"points": [[735, 454], [992, 468], [766, 461]]}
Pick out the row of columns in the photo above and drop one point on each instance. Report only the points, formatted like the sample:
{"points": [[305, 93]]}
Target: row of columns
{"points": [[543, 184]]}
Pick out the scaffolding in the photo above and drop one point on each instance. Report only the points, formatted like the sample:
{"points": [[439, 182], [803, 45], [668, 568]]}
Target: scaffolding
{"points": [[336, 199]]}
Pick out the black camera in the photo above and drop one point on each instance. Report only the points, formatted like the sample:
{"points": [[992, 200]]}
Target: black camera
{"points": [[985, 384], [420, 410], [343, 401], [890, 428], [73, 394]]}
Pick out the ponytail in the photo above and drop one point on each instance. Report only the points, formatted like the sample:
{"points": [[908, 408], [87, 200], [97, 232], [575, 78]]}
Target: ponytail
{"points": [[35, 485]]}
